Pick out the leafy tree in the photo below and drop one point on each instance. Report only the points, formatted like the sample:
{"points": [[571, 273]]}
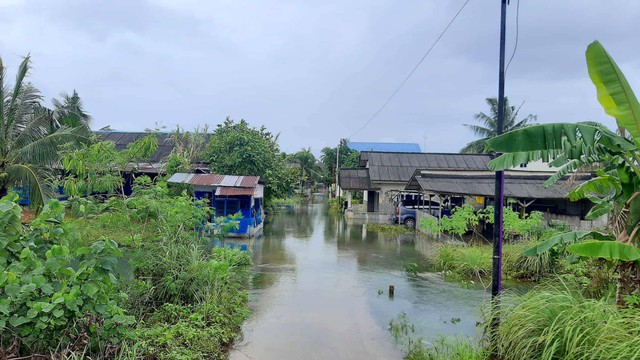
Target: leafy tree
{"points": [[348, 158], [29, 144], [238, 149], [615, 190], [490, 125]]}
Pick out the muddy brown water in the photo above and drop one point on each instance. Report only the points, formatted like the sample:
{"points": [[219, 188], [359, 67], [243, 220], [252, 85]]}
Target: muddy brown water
{"points": [[315, 291]]}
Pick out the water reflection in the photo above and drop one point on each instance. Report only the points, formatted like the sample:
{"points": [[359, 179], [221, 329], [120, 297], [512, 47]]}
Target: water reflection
{"points": [[315, 291]]}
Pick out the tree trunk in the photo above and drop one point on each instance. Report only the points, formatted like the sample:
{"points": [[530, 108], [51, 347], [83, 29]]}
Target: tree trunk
{"points": [[628, 282]]}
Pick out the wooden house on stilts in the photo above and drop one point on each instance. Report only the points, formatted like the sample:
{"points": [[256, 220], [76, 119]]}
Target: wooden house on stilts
{"points": [[229, 195]]}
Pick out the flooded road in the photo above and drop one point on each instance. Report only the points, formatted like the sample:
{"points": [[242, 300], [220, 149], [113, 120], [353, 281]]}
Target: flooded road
{"points": [[315, 286]]}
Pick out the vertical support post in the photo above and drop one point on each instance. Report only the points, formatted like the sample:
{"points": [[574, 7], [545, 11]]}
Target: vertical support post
{"points": [[338, 170], [496, 275]]}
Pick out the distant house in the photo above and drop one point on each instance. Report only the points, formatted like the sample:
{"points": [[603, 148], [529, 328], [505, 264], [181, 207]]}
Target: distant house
{"points": [[384, 147], [386, 177], [382, 175], [155, 165], [229, 195], [524, 187]]}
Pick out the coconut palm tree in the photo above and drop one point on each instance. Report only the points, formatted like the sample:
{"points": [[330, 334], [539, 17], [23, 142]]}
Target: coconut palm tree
{"points": [[28, 143], [490, 128], [309, 170], [70, 111]]}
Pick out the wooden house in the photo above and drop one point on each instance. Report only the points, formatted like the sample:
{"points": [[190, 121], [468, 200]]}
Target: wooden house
{"points": [[229, 195]]}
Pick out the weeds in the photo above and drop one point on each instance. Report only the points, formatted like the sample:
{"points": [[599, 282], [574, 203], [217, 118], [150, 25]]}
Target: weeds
{"points": [[446, 348], [558, 322], [389, 229]]}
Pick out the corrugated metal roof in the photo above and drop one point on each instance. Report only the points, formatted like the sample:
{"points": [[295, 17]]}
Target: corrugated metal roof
{"points": [[400, 166], [234, 191], [385, 147], [523, 187], [215, 180], [355, 179], [123, 138]]}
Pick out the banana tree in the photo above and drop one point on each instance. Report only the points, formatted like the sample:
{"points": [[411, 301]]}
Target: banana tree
{"points": [[616, 187]]}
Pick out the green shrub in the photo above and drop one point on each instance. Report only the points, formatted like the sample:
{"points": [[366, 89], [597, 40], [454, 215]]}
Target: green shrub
{"points": [[52, 296], [533, 268], [206, 330]]}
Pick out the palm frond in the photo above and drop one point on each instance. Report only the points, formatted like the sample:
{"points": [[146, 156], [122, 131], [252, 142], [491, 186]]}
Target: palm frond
{"points": [[474, 147], [34, 178], [44, 151], [42, 124], [14, 101], [481, 131]]}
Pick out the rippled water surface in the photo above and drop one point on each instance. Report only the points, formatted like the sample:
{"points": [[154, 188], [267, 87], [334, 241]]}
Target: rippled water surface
{"points": [[315, 289]]}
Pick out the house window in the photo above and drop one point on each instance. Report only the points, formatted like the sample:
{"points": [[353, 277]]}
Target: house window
{"points": [[523, 165]]}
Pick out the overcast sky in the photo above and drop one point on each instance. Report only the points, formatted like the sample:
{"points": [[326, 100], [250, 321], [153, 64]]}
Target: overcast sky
{"points": [[315, 71]]}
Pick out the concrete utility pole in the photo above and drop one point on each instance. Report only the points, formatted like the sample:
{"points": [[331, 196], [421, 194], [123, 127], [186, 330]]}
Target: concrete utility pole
{"points": [[498, 233], [337, 169]]}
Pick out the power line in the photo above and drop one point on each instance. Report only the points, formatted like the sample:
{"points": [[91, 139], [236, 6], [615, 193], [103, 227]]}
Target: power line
{"points": [[412, 71], [515, 47]]}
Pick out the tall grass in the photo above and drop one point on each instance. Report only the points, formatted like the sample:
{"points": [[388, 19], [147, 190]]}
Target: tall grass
{"points": [[558, 322], [448, 348], [475, 261]]}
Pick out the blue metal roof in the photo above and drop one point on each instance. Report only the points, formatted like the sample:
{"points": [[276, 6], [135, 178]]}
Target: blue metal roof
{"points": [[384, 147]]}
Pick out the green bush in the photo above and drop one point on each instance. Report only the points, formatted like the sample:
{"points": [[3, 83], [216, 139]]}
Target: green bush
{"points": [[208, 329], [54, 297]]}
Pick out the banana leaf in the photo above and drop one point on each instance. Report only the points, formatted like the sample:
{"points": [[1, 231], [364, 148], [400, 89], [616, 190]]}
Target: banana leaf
{"points": [[610, 250], [614, 93], [565, 238]]}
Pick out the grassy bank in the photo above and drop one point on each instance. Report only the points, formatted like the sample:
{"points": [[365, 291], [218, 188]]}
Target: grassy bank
{"points": [[129, 278], [549, 322]]}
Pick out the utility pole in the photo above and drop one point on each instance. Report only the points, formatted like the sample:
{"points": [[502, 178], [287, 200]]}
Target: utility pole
{"points": [[498, 233], [337, 169]]}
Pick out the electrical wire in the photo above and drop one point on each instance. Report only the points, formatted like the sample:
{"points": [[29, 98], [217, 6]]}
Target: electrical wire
{"points": [[515, 47], [410, 73]]}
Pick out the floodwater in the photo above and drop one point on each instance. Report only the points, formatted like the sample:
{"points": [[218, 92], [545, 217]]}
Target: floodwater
{"points": [[315, 292]]}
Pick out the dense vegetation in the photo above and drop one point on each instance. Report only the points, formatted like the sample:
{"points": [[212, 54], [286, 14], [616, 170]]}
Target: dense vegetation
{"points": [[68, 290]]}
